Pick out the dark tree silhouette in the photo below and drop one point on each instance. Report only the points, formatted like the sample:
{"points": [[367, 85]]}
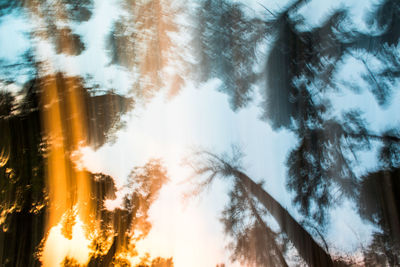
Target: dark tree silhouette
{"points": [[300, 73], [379, 203], [21, 180], [22, 161], [212, 166], [253, 240], [130, 222], [226, 42]]}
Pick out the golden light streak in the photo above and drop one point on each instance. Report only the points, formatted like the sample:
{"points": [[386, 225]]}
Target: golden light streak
{"points": [[56, 173], [63, 113], [4, 156], [78, 136], [68, 186]]}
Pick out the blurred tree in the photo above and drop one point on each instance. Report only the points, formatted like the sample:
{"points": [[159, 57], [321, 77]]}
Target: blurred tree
{"points": [[324, 160], [142, 42], [23, 197], [245, 190], [301, 71], [226, 42], [56, 21], [157, 262], [129, 223], [379, 203], [253, 242]]}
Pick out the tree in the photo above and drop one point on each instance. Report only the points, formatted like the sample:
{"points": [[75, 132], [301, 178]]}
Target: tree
{"points": [[129, 223], [226, 42], [300, 74], [324, 159], [21, 180], [23, 151], [253, 240], [141, 41], [213, 166], [379, 203], [157, 262]]}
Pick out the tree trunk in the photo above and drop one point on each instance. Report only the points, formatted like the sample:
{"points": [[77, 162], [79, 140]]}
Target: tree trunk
{"points": [[313, 254], [267, 232]]}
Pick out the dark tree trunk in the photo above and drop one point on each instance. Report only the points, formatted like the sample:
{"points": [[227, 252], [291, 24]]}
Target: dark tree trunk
{"points": [[312, 253]]}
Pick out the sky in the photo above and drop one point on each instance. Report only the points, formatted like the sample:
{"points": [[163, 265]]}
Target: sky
{"points": [[198, 117]]}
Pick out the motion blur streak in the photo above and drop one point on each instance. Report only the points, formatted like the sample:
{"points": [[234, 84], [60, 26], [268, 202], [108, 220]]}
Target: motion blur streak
{"points": [[67, 185]]}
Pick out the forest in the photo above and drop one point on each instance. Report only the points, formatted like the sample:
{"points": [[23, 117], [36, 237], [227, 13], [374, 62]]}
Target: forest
{"points": [[154, 133]]}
